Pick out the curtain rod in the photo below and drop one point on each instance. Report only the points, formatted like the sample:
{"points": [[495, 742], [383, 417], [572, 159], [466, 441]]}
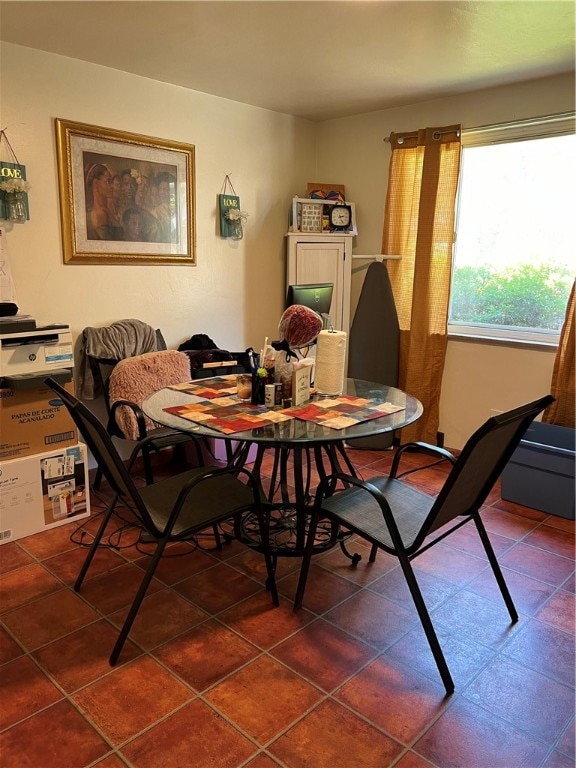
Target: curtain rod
{"points": [[414, 135], [559, 117]]}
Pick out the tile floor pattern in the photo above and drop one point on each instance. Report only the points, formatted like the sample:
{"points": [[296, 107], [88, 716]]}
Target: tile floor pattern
{"points": [[214, 677]]}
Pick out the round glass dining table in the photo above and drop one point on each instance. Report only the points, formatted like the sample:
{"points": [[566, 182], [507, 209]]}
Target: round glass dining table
{"points": [[301, 450]]}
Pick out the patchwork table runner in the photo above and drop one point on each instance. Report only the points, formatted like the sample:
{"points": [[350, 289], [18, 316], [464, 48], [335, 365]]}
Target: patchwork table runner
{"points": [[227, 415], [210, 388], [342, 411]]}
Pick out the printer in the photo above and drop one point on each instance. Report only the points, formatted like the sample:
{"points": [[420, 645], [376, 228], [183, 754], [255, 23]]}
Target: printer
{"points": [[33, 354]]}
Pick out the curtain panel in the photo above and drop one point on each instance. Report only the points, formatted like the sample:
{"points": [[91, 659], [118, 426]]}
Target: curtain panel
{"points": [[561, 412], [419, 224]]}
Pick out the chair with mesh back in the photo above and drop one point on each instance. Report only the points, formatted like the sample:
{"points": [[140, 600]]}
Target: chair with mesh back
{"points": [[175, 509], [401, 520]]}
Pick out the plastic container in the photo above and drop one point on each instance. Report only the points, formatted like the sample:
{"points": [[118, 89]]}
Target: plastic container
{"points": [[540, 473]]}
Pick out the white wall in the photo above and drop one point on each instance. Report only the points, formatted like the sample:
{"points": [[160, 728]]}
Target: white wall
{"points": [[236, 292], [477, 378]]}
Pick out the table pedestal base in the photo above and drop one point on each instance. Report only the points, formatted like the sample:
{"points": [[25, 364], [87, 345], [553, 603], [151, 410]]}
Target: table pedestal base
{"points": [[289, 498]]}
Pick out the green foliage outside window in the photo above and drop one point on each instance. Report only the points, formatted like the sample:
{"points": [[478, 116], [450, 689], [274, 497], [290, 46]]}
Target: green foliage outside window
{"points": [[523, 296]]}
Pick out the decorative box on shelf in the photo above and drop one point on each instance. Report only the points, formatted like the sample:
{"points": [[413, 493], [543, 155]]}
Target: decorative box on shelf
{"points": [[314, 215]]}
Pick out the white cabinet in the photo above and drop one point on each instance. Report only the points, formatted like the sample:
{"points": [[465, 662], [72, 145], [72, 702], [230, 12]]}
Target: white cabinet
{"points": [[323, 259]]}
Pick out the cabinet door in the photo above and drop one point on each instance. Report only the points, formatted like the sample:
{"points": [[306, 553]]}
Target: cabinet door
{"points": [[323, 262]]}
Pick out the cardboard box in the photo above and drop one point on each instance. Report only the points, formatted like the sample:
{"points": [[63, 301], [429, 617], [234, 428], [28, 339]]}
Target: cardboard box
{"points": [[540, 473], [33, 420], [43, 491]]}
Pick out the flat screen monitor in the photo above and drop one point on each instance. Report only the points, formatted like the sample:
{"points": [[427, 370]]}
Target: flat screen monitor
{"points": [[316, 296]]}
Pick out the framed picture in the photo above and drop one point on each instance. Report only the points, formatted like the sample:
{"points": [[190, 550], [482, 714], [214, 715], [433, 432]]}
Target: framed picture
{"points": [[124, 198], [311, 220]]}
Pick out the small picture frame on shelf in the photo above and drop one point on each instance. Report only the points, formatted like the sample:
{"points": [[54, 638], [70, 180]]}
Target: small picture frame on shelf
{"points": [[311, 217]]}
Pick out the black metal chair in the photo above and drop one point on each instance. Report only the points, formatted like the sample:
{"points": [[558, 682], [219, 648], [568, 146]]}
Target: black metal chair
{"points": [[400, 519], [126, 420], [175, 509]]}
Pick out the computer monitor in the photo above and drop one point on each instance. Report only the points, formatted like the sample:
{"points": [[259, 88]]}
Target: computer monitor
{"points": [[316, 296]]}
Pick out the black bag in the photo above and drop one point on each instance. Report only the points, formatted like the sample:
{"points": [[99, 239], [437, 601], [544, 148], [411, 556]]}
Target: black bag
{"points": [[198, 341]]}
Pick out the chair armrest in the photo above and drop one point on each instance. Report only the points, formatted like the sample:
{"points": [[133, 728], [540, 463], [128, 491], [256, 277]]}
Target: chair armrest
{"points": [[327, 485], [433, 450], [138, 414]]}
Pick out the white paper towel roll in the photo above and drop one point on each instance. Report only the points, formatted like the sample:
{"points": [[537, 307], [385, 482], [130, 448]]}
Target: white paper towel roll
{"points": [[330, 362]]}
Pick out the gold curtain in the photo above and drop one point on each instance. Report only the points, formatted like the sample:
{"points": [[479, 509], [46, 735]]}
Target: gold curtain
{"points": [[562, 411], [419, 225]]}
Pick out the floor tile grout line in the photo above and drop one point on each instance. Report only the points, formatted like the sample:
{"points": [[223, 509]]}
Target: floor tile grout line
{"points": [[36, 649], [447, 700], [548, 600], [357, 671], [342, 704], [171, 714], [561, 736], [517, 726], [503, 652], [541, 548], [263, 751], [265, 744], [68, 698], [124, 762], [217, 682], [107, 615]]}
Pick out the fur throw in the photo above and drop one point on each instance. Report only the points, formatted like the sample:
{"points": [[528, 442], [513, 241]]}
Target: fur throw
{"points": [[138, 377]]}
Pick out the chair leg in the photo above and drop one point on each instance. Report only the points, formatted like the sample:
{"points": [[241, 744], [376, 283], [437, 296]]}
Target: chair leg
{"points": [[309, 549], [95, 544], [217, 538], [97, 479], [134, 608], [427, 623], [268, 559], [496, 568], [198, 444], [146, 461]]}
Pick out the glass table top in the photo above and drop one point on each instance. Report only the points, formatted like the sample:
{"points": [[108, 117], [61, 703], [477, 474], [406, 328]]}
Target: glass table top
{"points": [[295, 430]]}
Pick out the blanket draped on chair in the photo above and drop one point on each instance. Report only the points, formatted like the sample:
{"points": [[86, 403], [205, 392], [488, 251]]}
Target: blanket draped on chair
{"points": [[122, 339], [135, 378]]}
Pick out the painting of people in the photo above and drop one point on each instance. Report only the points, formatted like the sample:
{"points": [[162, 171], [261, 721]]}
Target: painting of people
{"points": [[113, 186], [124, 198]]}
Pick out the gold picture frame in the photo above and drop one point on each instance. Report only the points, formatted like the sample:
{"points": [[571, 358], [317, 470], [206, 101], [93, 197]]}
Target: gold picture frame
{"points": [[125, 198]]}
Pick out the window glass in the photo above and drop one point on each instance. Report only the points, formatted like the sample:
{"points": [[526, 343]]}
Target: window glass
{"points": [[515, 249]]}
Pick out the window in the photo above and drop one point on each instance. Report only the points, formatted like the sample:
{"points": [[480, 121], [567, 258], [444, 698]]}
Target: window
{"points": [[514, 253]]}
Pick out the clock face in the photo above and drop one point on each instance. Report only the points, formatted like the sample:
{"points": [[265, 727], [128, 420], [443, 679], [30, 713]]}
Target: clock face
{"points": [[340, 216]]}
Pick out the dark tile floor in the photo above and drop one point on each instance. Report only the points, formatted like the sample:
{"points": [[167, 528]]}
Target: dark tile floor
{"points": [[214, 677]]}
